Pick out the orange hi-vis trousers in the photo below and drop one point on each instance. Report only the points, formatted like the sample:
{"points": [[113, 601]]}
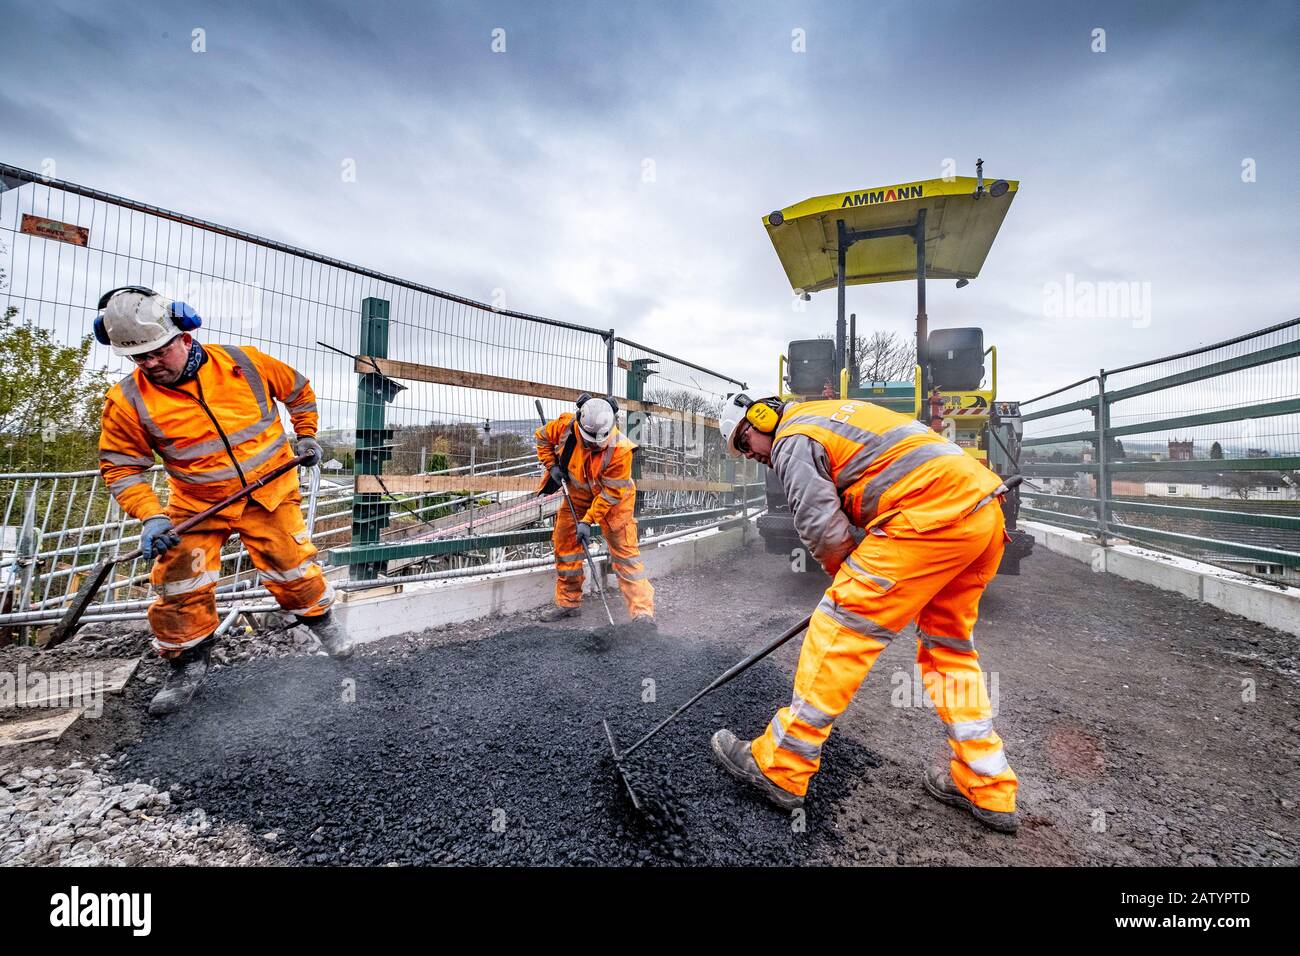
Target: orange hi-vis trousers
{"points": [[185, 578], [624, 555], [894, 577]]}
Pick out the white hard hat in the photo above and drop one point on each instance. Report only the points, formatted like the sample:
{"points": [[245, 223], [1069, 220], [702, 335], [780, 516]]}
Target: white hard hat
{"points": [[136, 322], [596, 421], [736, 410]]}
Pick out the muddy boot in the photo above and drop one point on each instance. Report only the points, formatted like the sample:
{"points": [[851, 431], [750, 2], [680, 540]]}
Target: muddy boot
{"points": [[185, 674], [331, 634], [738, 760], [557, 613], [938, 783]]}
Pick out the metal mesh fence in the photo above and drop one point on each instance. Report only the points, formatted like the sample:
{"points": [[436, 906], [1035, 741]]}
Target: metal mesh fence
{"points": [[461, 407], [1201, 454]]}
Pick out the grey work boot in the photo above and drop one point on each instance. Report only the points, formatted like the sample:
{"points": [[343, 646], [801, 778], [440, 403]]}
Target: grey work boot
{"points": [[331, 634], [185, 674], [738, 760], [938, 783], [643, 625], [557, 613]]}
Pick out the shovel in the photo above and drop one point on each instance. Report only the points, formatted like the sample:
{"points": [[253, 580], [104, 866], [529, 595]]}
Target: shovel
{"points": [[99, 574], [595, 575], [734, 671]]}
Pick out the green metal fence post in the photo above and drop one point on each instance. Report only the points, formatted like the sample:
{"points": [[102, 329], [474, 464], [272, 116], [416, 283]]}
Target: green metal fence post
{"points": [[1103, 456], [638, 371], [370, 512]]}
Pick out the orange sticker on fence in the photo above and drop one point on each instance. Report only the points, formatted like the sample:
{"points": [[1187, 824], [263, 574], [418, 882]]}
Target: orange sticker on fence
{"points": [[53, 229]]}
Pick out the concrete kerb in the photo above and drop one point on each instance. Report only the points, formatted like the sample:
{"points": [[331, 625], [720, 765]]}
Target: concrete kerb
{"points": [[1276, 606], [414, 607]]}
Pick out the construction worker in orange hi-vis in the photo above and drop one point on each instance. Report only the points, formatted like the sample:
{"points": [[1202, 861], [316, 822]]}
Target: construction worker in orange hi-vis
{"points": [[586, 451], [210, 413], [910, 530]]}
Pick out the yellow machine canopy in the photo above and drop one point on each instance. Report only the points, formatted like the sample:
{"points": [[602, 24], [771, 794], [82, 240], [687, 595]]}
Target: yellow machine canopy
{"points": [[959, 229]]}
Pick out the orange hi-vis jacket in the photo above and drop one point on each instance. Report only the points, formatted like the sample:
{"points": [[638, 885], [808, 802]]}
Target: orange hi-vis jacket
{"points": [[215, 433], [846, 463], [602, 476]]}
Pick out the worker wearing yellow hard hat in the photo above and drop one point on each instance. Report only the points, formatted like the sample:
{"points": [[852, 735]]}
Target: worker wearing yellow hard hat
{"points": [[909, 528]]}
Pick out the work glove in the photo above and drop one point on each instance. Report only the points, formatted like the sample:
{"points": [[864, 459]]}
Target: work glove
{"points": [[157, 536], [309, 446], [557, 474], [584, 533]]}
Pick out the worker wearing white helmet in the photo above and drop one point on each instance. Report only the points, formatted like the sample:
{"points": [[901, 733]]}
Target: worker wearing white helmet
{"points": [[208, 411], [586, 450], [907, 525]]}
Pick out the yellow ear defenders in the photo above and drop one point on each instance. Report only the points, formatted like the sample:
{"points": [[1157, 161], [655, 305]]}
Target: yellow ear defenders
{"points": [[763, 415]]}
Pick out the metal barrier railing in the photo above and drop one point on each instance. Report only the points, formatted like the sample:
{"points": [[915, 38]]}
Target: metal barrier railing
{"points": [[1197, 454], [469, 372]]}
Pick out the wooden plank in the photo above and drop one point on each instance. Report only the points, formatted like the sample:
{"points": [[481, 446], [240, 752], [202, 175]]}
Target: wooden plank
{"points": [[87, 678], [431, 484], [45, 725], [436, 375]]}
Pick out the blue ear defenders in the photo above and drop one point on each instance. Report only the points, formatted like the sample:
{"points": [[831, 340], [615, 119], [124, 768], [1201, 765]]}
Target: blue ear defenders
{"points": [[185, 318]]}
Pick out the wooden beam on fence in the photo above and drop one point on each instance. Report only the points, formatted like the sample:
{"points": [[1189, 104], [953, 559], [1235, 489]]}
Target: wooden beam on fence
{"points": [[436, 375], [434, 484]]}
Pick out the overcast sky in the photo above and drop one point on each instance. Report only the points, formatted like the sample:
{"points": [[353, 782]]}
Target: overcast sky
{"points": [[525, 170]]}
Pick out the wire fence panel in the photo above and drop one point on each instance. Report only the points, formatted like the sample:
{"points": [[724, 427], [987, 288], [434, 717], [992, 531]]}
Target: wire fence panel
{"points": [[1197, 454], [673, 408], [410, 382]]}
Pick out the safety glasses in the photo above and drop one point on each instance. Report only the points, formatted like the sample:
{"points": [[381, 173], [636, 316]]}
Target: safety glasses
{"points": [[742, 438], [146, 357]]}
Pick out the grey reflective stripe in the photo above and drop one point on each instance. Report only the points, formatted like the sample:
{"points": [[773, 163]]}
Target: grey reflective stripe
{"points": [[226, 474], [852, 432], [903, 465], [574, 556], [569, 572], [122, 484], [579, 484], [253, 376], [619, 559], [295, 393], [214, 446], [293, 574], [858, 465], [990, 765], [320, 604], [117, 458], [131, 392], [201, 478], [794, 744], [885, 583], [625, 575], [189, 585], [810, 715], [616, 482], [971, 729], [609, 453], [855, 622], [961, 644], [299, 409], [606, 496]]}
